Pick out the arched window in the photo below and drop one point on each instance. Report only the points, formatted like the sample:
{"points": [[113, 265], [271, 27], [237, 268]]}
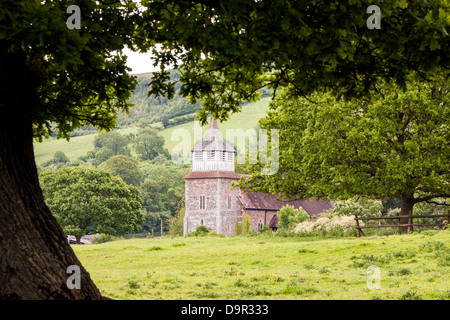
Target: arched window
{"points": [[201, 222], [202, 202]]}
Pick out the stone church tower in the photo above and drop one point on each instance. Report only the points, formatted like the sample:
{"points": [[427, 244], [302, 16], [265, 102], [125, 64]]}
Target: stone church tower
{"points": [[210, 201]]}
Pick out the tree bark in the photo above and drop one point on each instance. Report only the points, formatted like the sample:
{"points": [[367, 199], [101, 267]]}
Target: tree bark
{"points": [[407, 200], [34, 253]]}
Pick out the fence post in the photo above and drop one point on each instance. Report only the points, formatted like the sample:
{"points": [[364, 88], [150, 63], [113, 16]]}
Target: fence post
{"points": [[358, 227], [409, 224]]}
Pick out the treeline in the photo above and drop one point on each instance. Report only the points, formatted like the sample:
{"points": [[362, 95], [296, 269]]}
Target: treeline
{"points": [[154, 109], [140, 160], [150, 110]]}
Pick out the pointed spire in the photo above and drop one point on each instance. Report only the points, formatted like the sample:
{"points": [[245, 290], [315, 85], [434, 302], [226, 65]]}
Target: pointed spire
{"points": [[213, 123], [213, 139], [213, 153]]}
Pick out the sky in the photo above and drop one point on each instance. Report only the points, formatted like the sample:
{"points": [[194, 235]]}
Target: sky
{"points": [[139, 62]]}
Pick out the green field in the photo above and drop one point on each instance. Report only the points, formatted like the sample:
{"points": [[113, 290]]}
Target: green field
{"points": [[78, 146], [412, 266]]}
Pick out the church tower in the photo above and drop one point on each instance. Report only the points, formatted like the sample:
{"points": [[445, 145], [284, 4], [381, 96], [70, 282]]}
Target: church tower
{"points": [[210, 201]]}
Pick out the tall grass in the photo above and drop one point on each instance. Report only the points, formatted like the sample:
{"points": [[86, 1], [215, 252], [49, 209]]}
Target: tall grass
{"points": [[267, 267]]}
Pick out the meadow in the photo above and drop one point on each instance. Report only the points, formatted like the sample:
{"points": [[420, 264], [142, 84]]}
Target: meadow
{"points": [[412, 267]]}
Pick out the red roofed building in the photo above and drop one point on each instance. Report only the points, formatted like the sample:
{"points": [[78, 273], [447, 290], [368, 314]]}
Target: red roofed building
{"points": [[211, 201]]}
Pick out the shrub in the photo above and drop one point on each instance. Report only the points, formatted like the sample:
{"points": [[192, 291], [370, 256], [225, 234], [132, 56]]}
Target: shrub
{"points": [[403, 272], [154, 248], [244, 228], [60, 157], [176, 223], [237, 228], [202, 231], [366, 260], [102, 238], [290, 217], [298, 289], [133, 284], [246, 223], [411, 295], [361, 207], [334, 226]]}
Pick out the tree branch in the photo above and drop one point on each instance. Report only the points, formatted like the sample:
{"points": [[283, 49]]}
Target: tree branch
{"points": [[427, 198], [439, 203]]}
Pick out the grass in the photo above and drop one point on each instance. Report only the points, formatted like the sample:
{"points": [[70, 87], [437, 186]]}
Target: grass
{"points": [[74, 148], [268, 267], [79, 146]]}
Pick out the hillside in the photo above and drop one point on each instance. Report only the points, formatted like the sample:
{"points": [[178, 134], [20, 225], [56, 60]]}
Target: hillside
{"points": [[150, 109], [81, 144]]}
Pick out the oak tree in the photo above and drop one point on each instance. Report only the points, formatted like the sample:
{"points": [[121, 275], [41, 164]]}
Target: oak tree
{"points": [[148, 144], [91, 200], [52, 80], [395, 144], [228, 50], [126, 168]]}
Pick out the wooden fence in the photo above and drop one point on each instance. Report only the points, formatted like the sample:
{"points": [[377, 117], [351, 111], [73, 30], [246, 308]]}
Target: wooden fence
{"points": [[408, 225]]}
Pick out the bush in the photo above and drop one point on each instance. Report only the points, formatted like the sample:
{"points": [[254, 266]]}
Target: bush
{"points": [[361, 207], [244, 228], [102, 238], [176, 223], [202, 231], [341, 223], [60, 157], [290, 217]]}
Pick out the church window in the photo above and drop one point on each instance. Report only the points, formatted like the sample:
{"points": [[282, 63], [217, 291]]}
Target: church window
{"points": [[198, 155], [260, 225], [222, 156], [201, 222], [202, 202], [229, 202], [211, 155]]}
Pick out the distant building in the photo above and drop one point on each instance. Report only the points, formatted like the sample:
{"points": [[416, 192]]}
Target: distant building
{"points": [[212, 202]]}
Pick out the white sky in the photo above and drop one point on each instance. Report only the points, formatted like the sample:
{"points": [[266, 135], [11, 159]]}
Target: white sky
{"points": [[139, 62]]}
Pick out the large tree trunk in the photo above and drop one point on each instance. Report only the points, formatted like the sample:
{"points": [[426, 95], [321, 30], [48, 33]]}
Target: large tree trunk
{"points": [[34, 253], [406, 209]]}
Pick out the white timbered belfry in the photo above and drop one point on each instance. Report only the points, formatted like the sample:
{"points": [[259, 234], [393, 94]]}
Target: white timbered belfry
{"points": [[213, 153]]}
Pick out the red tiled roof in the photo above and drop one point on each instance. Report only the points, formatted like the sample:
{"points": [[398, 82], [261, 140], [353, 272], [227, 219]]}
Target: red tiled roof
{"points": [[265, 201], [212, 174]]}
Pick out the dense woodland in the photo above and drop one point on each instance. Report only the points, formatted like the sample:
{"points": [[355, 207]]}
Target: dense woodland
{"points": [[158, 109]]}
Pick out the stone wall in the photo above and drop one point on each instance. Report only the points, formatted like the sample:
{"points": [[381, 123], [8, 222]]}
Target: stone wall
{"points": [[260, 217], [217, 215]]}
